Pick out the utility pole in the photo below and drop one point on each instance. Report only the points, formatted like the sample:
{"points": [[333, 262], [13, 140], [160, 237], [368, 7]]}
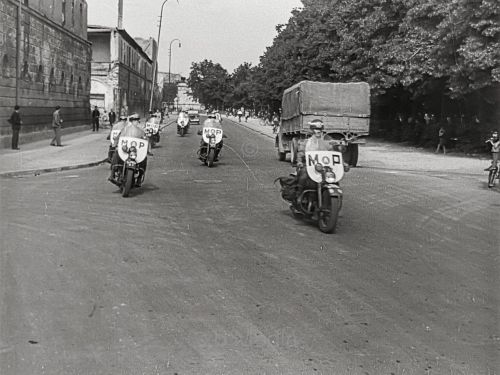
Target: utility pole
{"points": [[18, 53], [170, 55], [155, 60]]}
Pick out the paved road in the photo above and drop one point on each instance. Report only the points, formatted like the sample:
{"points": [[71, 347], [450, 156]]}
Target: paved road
{"points": [[204, 271]]}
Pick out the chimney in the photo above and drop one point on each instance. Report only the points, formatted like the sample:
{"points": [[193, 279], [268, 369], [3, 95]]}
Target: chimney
{"points": [[120, 14]]}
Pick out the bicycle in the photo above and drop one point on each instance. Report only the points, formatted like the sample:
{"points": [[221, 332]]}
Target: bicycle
{"points": [[494, 174]]}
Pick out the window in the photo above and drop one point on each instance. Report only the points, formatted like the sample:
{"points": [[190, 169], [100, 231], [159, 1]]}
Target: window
{"points": [[5, 65], [39, 75], [25, 72], [51, 78], [62, 78], [63, 11], [73, 13]]}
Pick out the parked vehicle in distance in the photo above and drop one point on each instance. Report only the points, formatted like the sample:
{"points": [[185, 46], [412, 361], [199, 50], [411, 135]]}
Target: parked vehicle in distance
{"points": [[194, 117]]}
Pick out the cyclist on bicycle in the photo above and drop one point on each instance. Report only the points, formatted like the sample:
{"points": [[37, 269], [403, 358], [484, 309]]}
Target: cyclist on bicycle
{"points": [[495, 149]]}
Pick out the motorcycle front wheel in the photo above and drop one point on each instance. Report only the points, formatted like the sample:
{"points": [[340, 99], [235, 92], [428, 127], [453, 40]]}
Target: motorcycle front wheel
{"points": [[129, 179], [211, 157], [182, 132], [329, 213]]}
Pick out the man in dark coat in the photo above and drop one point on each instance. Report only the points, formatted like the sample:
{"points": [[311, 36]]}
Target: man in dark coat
{"points": [[95, 119], [16, 122], [111, 117]]}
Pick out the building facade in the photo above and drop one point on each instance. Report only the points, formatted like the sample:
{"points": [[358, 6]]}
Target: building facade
{"points": [[44, 62], [121, 72], [184, 100]]}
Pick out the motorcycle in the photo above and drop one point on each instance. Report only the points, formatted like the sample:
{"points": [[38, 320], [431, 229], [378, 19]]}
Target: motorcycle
{"points": [[152, 130], [211, 145], [113, 138], [182, 125], [321, 199], [133, 152]]}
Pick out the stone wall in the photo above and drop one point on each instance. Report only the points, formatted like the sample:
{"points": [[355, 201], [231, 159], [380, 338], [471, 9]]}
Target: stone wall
{"points": [[55, 70]]}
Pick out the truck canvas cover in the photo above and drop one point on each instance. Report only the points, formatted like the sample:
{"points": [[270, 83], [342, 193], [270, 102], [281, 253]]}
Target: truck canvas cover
{"points": [[326, 99]]}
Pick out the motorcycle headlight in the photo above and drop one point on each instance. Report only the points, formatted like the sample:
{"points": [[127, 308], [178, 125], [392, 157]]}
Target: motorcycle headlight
{"points": [[133, 153], [318, 167], [330, 177]]}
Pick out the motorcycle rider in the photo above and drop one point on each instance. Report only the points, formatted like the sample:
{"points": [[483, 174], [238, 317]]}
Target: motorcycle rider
{"points": [[131, 129], [495, 149], [183, 117], [318, 141], [211, 122], [116, 127]]}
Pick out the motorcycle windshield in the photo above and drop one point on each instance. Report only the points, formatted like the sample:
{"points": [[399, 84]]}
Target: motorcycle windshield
{"points": [[133, 131], [318, 144], [211, 123]]}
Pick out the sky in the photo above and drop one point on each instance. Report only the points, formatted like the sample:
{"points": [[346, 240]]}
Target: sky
{"points": [[228, 32]]}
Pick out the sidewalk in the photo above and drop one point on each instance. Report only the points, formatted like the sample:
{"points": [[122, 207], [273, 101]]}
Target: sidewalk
{"points": [[379, 154], [81, 149]]}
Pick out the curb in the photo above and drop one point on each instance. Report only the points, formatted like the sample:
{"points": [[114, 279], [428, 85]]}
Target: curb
{"points": [[36, 172]]}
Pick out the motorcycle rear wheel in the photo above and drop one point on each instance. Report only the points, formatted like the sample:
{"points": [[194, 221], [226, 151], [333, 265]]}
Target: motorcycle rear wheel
{"points": [[211, 157], [329, 213], [129, 179]]}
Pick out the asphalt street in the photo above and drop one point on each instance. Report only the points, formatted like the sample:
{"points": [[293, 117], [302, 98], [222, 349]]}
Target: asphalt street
{"points": [[205, 271]]}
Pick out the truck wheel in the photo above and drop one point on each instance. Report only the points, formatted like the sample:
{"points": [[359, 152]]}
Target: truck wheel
{"points": [[351, 155]]}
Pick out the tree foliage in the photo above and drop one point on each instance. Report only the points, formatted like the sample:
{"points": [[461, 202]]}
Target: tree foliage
{"points": [[209, 83], [169, 92], [416, 54]]}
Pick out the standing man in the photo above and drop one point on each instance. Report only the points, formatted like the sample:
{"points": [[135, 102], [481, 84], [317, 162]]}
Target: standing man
{"points": [[16, 122], [56, 125], [111, 117], [95, 119]]}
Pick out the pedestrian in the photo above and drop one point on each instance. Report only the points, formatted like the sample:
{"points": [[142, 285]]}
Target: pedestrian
{"points": [[111, 117], [276, 124], [16, 122], [442, 140], [95, 119], [56, 125]]}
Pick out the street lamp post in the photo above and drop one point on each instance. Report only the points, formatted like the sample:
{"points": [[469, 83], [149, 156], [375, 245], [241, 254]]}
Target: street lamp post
{"points": [[170, 55], [155, 63]]}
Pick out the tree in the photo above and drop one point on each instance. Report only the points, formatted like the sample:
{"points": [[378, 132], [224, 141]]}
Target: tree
{"points": [[209, 83], [170, 91]]}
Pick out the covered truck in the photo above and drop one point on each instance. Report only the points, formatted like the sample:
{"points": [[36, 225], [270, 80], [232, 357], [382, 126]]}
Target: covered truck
{"points": [[344, 109]]}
